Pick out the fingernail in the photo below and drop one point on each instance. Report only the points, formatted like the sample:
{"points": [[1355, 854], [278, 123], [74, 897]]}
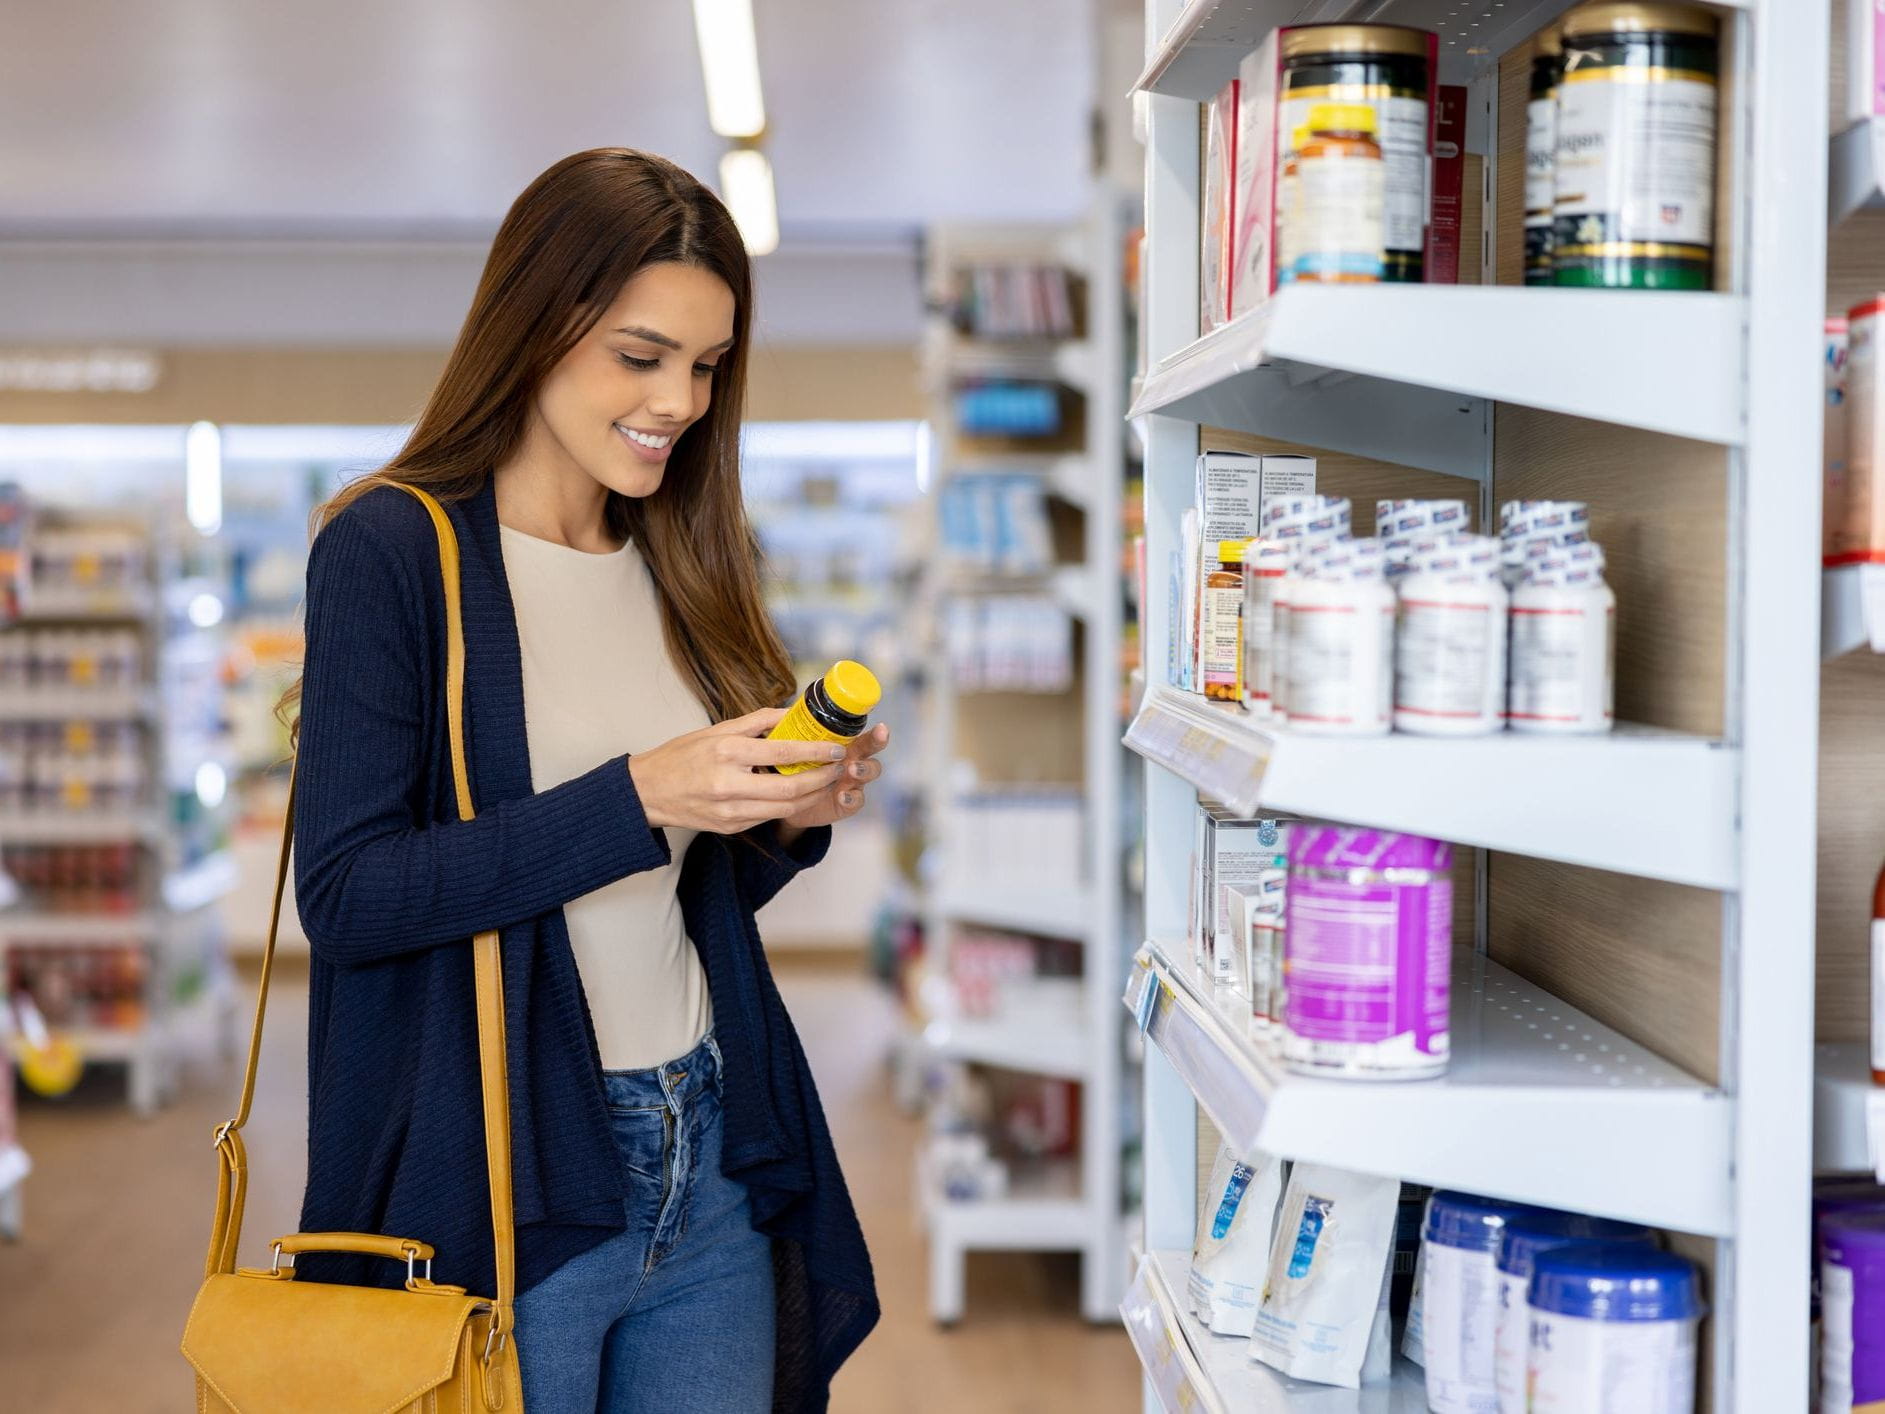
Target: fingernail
{"points": [[848, 799], [836, 753]]}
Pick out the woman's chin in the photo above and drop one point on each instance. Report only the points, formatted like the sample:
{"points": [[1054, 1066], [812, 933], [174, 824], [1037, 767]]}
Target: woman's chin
{"points": [[633, 481]]}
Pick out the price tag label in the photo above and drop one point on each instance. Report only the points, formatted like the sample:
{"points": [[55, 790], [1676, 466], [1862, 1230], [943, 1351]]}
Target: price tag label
{"points": [[85, 669], [77, 794], [80, 737], [85, 568]]}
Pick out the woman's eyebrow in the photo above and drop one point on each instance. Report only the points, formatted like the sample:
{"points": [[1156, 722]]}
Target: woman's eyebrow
{"points": [[654, 336]]}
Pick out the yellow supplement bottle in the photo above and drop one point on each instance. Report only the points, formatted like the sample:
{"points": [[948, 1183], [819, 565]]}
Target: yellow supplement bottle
{"points": [[834, 708]]}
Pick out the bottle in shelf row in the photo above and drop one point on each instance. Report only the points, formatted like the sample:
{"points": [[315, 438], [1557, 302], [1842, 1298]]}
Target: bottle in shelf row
{"points": [[1848, 1295], [76, 879], [996, 524], [82, 986], [1853, 489], [993, 974], [1008, 407], [1423, 628], [1022, 837], [101, 658], [72, 769], [81, 559], [1009, 643], [1511, 1308]]}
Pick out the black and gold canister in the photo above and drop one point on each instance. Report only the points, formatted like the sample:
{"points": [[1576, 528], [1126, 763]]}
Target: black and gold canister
{"points": [[1634, 177]]}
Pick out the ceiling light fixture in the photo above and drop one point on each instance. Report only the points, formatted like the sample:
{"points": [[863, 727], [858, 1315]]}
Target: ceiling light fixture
{"points": [[746, 187], [729, 61]]}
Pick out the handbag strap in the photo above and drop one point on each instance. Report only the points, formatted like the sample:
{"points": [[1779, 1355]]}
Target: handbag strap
{"points": [[232, 1177]]}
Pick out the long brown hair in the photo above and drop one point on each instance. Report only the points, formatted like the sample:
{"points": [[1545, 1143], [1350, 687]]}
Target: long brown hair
{"points": [[566, 248]]}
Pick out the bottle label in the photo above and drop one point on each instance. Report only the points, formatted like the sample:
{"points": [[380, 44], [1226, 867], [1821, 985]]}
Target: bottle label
{"points": [[1338, 213], [1447, 660], [799, 724], [1341, 665], [1577, 1365], [1635, 164], [1541, 141], [1878, 994], [1561, 667], [1401, 130]]}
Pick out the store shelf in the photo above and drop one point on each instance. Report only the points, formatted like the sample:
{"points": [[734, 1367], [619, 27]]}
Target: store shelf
{"points": [[1041, 1212], [84, 605], [32, 704], [200, 884], [79, 929], [1068, 361], [1665, 362], [1200, 51], [1196, 1372], [1044, 1040], [1848, 1112], [1551, 797], [1855, 170], [103, 828], [1051, 913], [1852, 609], [1540, 1104]]}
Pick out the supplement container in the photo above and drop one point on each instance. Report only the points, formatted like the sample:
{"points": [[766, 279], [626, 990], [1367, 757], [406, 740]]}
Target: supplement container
{"points": [[1390, 70], [1541, 143], [1341, 647], [1449, 656], [1333, 232], [834, 708], [1634, 186], [1613, 1327], [1265, 563], [1460, 1299], [1564, 645], [1852, 1307], [1305, 525], [1367, 950], [1403, 527], [1525, 1236], [1222, 632], [1536, 528]]}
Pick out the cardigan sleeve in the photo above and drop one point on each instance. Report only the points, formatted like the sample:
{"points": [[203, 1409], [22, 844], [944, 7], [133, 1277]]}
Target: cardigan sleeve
{"points": [[762, 866], [374, 877]]}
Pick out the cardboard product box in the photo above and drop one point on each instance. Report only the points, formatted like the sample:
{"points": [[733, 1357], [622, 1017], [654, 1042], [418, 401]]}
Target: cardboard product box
{"points": [[1253, 247], [1263, 143], [1218, 222], [1859, 535], [1231, 491], [1449, 178], [1233, 853], [1834, 469]]}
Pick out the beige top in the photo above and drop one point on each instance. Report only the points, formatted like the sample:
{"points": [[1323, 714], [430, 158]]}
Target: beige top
{"points": [[598, 681]]}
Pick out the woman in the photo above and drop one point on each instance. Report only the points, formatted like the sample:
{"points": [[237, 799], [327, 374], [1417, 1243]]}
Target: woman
{"points": [[684, 1238]]}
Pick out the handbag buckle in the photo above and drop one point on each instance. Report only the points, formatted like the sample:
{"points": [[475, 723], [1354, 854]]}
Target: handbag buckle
{"points": [[494, 1341], [412, 1259], [223, 1131], [274, 1267]]}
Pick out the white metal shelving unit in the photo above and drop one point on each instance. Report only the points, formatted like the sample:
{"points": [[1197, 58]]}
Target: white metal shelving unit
{"points": [[1413, 375], [1061, 1206], [189, 991]]}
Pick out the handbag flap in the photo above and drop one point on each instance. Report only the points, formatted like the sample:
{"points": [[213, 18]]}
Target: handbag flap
{"points": [[272, 1346]]}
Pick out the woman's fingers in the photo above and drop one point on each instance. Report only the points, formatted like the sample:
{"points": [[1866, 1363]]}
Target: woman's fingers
{"points": [[750, 752], [872, 742], [752, 724]]}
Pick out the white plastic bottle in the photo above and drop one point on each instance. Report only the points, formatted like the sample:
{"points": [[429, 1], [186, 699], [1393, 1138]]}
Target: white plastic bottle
{"points": [[1265, 562], [1341, 651], [1308, 525], [1564, 646], [1449, 658]]}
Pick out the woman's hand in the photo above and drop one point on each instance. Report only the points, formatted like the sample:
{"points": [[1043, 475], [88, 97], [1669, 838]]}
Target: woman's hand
{"points": [[707, 780], [844, 797]]}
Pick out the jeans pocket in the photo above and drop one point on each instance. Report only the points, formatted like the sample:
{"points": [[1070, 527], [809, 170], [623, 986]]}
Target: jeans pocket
{"points": [[641, 1137]]}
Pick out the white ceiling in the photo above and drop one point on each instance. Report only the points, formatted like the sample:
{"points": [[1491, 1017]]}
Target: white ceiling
{"points": [[423, 118]]}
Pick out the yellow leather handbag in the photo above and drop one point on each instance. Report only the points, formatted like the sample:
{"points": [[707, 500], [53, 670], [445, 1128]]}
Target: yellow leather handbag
{"points": [[262, 1342]]}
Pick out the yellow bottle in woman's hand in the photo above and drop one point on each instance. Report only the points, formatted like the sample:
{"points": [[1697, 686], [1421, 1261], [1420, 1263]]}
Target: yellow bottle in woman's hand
{"points": [[834, 708]]}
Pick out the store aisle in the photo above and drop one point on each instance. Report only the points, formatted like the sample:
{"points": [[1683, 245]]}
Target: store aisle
{"points": [[118, 1211]]}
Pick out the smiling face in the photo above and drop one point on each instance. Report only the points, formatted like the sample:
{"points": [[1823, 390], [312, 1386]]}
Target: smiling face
{"points": [[615, 405]]}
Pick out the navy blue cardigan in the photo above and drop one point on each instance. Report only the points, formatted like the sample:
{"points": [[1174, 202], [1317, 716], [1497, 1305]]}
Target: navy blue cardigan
{"points": [[391, 884]]}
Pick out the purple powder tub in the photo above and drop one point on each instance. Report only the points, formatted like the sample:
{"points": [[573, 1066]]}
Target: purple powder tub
{"points": [[1367, 953], [1852, 1311]]}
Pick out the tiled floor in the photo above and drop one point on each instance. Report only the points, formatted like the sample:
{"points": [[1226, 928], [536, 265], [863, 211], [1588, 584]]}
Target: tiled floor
{"points": [[91, 1303]]}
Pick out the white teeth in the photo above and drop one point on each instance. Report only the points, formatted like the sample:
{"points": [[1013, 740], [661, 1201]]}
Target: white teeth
{"points": [[642, 438]]}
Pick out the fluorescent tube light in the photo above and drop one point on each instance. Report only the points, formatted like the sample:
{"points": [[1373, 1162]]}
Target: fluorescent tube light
{"points": [[729, 61], [746, 187], [203, 476]]}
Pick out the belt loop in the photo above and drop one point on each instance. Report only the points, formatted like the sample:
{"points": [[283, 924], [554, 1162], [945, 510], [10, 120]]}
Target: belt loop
{"points": [[719, 1065]]}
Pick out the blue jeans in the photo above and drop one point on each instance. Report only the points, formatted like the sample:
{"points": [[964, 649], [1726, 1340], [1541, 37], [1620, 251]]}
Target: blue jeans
{"points": [[675, 1313]]}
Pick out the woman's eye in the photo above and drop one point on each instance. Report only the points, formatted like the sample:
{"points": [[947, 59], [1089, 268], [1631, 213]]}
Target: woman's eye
{"points": [[645, 365], [706, 370]]}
